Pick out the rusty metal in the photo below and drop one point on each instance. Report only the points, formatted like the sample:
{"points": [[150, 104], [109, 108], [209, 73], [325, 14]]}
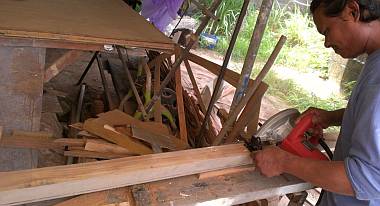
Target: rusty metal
{"points": [[181, 57], [222, 71], [258, 33], [234, 113], [87, 68]]}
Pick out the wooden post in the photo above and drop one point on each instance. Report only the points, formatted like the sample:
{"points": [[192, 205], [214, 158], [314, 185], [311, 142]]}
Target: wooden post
{"points": [[180, 105], [21, 77]]}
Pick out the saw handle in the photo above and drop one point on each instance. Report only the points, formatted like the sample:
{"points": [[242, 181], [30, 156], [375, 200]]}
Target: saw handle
{"points": [[297, 142]]}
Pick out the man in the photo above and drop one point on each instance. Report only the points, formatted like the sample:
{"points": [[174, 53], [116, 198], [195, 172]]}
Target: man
{"points": [[351, 28]]}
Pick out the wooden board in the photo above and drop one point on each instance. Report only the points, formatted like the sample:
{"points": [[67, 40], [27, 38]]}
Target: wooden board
{"points": [[85, 21], [34, 185], [225, 190], [114, 197]]}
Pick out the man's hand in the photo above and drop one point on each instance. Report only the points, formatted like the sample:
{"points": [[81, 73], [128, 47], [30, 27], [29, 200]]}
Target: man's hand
{"points": [[324, 118], [271, 160]]}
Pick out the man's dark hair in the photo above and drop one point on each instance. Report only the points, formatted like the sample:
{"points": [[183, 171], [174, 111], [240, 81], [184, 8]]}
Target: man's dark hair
{"points": [[369, 9]]}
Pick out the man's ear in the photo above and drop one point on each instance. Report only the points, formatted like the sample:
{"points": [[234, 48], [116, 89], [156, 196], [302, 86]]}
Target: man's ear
{"points": [[351, 11]]}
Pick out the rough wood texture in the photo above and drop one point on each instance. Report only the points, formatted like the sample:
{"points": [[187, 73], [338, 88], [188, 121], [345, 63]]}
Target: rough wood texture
{"points": [[104, 147], [21, 77], [88, 21], [53, 182], [28, 142], [226, 190], [115, 197], [90, 154], [247, 168], [66, 59]]}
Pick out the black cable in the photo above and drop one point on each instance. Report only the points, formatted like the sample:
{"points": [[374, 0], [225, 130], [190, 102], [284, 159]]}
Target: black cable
{"points": [[330, 154]]}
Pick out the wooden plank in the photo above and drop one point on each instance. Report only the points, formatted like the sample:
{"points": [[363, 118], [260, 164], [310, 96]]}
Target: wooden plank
{"points": [[1, 132], [248, 113], [180, 105], [114, 197], [246, 168], [90, 154], [117, 117], [163, 141], [28, 142], [66, 59], [72, 142], [230, 76], [88, 21], [19, 187], [97, 127], [102, 146], [39, 134], [233, 189]]}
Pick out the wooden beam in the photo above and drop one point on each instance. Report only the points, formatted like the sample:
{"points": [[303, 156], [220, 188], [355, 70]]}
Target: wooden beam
{"points": [[247, 113], [90, 154], [230, 76], [180, 105], [66, 59], [228, 171], [19, 187]]}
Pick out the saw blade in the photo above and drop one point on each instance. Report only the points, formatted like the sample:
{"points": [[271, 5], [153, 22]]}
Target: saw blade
{"points": [[278, 126]]}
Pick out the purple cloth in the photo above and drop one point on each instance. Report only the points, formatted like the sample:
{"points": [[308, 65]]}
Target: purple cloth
{"points": [[160, 12]]}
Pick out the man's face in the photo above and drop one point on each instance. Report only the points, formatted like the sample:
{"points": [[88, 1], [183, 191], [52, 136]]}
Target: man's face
{"points": [[341, 33]]}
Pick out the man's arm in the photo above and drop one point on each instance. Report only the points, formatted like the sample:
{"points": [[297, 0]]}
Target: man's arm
{"points": [[330, 175]]}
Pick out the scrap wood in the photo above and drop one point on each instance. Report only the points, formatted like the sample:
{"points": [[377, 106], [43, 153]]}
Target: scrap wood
{"points": [[245, 168], [97, 127], [66, 59], [117, 117], [90, 154], [73, 142], [180, 105], [1, 132], [105, 147], [114, 197], [40, 134], [78, 126], [164, 141], [25, 186]]}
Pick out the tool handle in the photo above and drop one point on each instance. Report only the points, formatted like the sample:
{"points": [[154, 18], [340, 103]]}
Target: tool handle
{"points": [[298, 144]]}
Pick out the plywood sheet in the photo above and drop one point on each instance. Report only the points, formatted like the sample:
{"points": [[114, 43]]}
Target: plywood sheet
{"points": [[84, 21]]}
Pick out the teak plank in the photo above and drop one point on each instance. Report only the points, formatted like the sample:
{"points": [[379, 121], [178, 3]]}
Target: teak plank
{"points": [[85, 21], [97, 127], [34, 185]]}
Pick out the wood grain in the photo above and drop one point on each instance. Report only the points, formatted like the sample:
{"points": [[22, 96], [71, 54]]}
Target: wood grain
{"points": [[25, 186], [86, 21]]}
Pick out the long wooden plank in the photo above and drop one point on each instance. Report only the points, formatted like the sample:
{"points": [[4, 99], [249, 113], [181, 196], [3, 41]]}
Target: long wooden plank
{"points": [[230, 76], [28, 142], [34, 185], [88, 21]]}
